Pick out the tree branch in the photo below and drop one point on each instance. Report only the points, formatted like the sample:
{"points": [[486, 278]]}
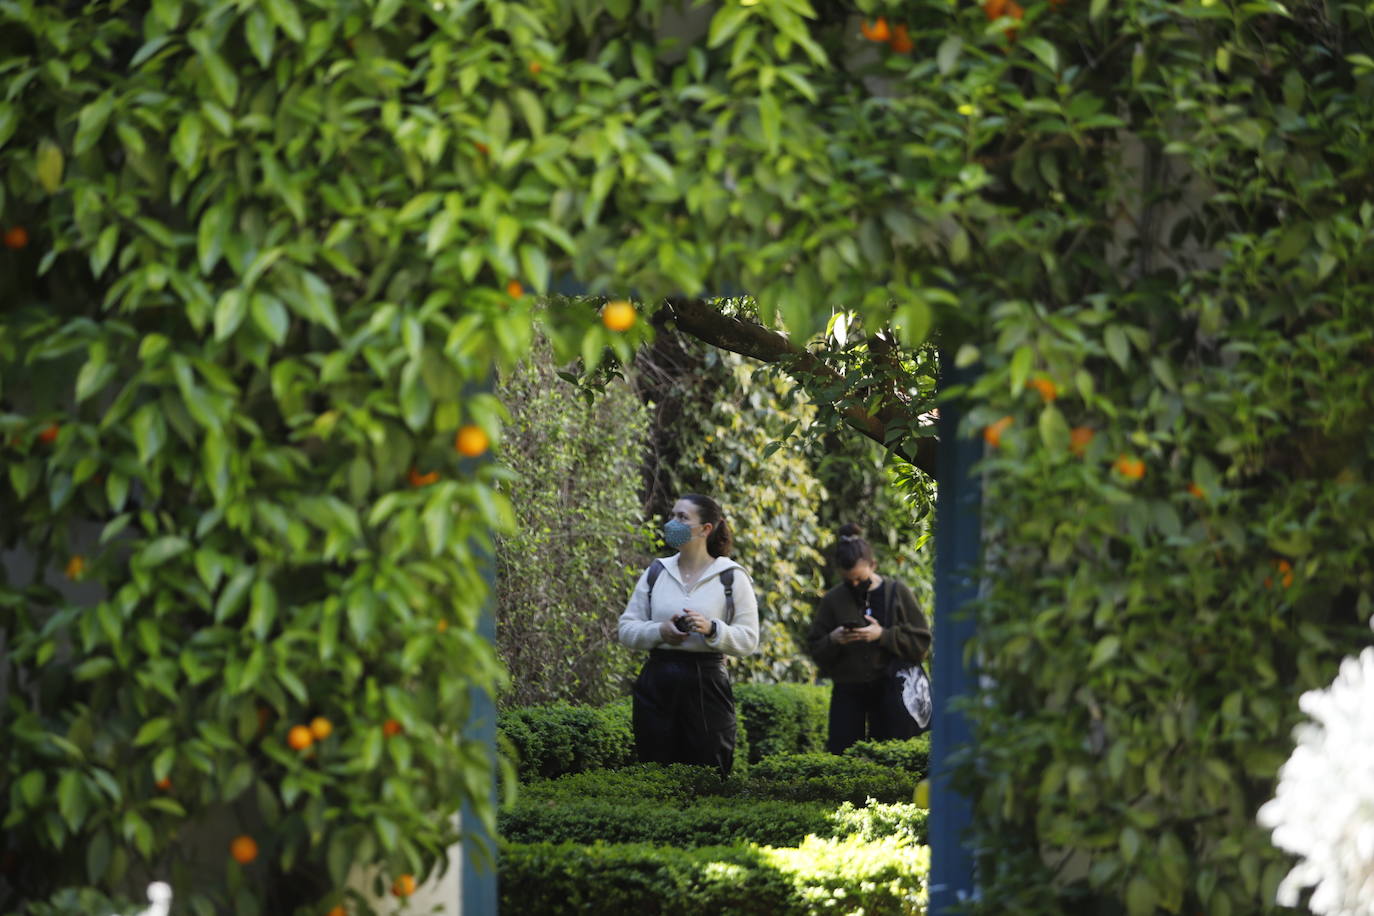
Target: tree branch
{"points": [[698, 319]]}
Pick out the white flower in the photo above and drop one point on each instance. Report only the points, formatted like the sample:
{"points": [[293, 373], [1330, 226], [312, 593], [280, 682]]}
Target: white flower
{"points": [[1323, 810]]}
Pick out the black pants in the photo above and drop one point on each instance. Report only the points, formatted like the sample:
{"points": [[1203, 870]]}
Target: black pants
{"points": [[872, 709], [684, 710]]}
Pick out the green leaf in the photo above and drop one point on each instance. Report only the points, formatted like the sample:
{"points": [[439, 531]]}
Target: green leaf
{"points": [[72, 801], [1106, 649], [1118, 347], [263, 611], [725, 23], [49, 165], [90, 123], [1045, 52], [222, 78], [229, 312], [152, 731], [163, 549], [9, 121], [31, 786], [261, 36], [1054, 430], [947, 57], [186, 142], [270, 317], [287, 18]]}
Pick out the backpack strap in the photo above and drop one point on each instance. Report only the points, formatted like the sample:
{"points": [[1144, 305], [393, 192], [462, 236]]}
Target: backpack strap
{"points": [[655, 569], [727, 579]]}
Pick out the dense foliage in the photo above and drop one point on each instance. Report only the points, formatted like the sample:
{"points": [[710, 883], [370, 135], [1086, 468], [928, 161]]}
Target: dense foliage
{"points": [[576, 548], [258, 266]]}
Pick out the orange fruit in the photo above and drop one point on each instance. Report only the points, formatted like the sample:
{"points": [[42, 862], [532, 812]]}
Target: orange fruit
{"points": [[901, 40], [1130, 468], [337, 911], [481, 147], [49, 435], [76, 566], [164, 784], [391, 728], [992, 435], [1285, 572], [321, 728], [244, 849], [877, 31], [422, 480], [1046, 386], [403, 886], [1079, 437], [471, 441], [1197, 491], [514, 289], [618, 315], [442, 626], [994, 9], [535, 66], [16, 237], [299, 738]]}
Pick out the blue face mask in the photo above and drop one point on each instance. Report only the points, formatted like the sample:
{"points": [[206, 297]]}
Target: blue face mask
{"points": [[676, 533]]}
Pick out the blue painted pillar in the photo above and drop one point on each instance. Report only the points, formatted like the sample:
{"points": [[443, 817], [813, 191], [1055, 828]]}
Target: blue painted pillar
{"points": [[479, 891], [958, 536]]}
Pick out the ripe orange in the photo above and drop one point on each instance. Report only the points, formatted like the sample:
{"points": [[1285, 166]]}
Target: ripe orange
{"points": [[16, 237], [1079, 437], [992, 435], [164, 784], [994, 9], [471, 441], [442, 626], [1046, 386], [49, 435], [535, 67], [299, 738], [901, 40], [337, 911], [481, 147], [514, 289], [76, 566], [422, 480], [244, 849], [321, 728], [1196, 490], [391, 728], [1130, 468], [618, 315], [878, 31], [403, 886], [1285, 572]]}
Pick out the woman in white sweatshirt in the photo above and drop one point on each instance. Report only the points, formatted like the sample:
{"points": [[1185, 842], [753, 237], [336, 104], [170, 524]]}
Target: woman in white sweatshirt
{"points": [[690, 610]]}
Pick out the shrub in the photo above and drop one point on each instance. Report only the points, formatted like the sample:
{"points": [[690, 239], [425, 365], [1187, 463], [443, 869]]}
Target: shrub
{"points": [[826, 776], [820, 876], [567, 569], [911, 754], [701, 821], [783, 718], [560, 738]]}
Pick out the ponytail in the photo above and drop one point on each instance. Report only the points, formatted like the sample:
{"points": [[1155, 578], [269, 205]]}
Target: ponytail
{"points": [[851, 547], [720, 542]]}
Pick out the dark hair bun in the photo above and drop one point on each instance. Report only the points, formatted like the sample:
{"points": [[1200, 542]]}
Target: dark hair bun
{"points": [[851, 531]]}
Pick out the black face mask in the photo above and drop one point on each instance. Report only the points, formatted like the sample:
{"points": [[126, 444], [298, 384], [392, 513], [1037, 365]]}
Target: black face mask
{"points": [[859, 591]]}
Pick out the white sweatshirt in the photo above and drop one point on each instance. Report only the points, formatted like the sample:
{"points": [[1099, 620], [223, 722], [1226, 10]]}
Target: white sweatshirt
{"points": [[639, 624]]}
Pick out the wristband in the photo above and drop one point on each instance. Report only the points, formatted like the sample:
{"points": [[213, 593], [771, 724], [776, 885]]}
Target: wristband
{"points": [[711, 633]]}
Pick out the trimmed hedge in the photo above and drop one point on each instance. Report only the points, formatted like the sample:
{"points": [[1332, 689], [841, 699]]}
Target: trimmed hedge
{"points": [[801, 777], [908, 754], [783, 718], [875, 877], [560, 738], [783, 777], [702, 821]]}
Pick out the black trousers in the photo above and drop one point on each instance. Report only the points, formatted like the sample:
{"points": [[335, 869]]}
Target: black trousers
{"points": [[684, 710], [871, 709]]}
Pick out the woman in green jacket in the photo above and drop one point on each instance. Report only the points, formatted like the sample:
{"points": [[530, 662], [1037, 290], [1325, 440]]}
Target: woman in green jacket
{"points": [[864, 631]]}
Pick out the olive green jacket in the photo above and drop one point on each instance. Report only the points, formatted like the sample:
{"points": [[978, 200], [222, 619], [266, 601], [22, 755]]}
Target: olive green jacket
{"points": [[905, 639]]}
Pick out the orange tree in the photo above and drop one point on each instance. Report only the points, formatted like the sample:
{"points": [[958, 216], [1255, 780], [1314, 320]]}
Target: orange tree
{"points": [[261, 257]]}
